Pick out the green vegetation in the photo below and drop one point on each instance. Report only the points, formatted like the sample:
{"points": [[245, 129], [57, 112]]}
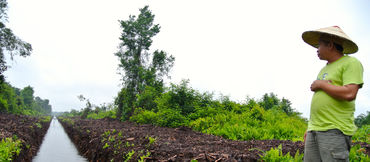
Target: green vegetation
{"points": [[92, 111], [22, 101], [181, 105], [142, 158], [9, 147], [358, 154], [151, 140], [128, 156], [38, 125], [363, 119], [9, 43], [276, 155], [362, 134], [66, 120], [141, 70]]}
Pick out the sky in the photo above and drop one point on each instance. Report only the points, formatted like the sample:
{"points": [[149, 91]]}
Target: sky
{"points": [[235, 48]]}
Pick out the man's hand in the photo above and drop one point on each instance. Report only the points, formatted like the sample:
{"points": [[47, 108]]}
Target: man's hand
{"points": [[347, 92], [318, 84]]}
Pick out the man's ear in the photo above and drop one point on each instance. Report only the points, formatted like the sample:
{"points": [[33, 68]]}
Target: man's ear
{"points": [[331, 45]]}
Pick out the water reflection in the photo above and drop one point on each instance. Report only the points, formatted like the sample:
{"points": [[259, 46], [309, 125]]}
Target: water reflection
{"points": [[57, 147]]}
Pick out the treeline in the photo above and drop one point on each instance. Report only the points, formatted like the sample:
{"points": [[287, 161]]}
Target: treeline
{"points": [[22, 101], [180, 105]]}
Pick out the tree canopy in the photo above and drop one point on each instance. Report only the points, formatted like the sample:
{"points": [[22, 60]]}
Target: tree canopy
{"points": [[9, 43], [22, 101]]}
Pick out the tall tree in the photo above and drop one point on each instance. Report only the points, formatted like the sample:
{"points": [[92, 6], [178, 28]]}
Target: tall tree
{"points": [[27, 95], [9, 43], [140, 67]]}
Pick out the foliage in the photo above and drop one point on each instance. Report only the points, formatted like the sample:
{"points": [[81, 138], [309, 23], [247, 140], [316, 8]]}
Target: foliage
{"points": [[144, 117], [358, 154], [181, 105], [9, 43], [270, 101], [22, 101], [276, 155], [88, 107], [363, 119], [164, 118], [102, 114], [362, 134], [181, 98], [134, 56], [146, 99], [256, 124], [92, 111], [142, 158], [9, 147]]}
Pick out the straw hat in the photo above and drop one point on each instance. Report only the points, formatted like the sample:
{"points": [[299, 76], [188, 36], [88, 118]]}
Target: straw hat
{"points": [[337, 35]]}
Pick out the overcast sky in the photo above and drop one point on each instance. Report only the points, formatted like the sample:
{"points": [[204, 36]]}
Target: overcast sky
{"points": [[237, 48]]}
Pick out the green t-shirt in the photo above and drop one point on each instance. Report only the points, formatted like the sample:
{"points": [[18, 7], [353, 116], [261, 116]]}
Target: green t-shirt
{"points": [[328, 112]]}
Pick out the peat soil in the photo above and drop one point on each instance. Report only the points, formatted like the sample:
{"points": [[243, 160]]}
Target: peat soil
{"points": [[27, 130], [108, 139]]}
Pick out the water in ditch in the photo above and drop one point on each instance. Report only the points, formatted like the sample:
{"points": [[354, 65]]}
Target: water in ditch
{"points": [[57, 147]]}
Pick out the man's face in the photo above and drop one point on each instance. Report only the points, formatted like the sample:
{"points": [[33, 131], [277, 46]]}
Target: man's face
{"points": [[323, 50]]}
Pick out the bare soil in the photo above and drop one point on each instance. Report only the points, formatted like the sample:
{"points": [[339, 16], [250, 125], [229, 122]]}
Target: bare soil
{"points": [[179, 144], [26, 130]]}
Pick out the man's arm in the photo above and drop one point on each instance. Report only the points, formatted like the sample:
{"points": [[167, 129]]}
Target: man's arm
{"points": [[346, 92]]}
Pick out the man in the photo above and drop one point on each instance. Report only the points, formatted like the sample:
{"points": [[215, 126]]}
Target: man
{"points": [[331, 124]]}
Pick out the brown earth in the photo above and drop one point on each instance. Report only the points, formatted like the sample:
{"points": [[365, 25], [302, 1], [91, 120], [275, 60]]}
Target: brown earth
{"points": [[26, 130], [108, 139], [180, 144]]}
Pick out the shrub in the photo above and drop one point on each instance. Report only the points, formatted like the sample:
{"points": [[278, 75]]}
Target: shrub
{"points": [[255, 124], [9, 147], [362, 134], [276, 154], [144, 117], [170, 118], [358, 154]]}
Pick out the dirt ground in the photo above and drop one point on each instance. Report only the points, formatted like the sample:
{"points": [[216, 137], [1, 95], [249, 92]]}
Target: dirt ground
{"points": [[25, 128], [107, 139]]}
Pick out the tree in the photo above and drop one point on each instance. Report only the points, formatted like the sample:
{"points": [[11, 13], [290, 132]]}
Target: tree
{"points": [[27, 95], [88, 107], [271, 100], [140, 67], [362, 119], [9, 43]]}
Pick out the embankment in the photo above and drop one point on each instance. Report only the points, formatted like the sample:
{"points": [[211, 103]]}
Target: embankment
{"points": [[29, 130], [107, 139]]}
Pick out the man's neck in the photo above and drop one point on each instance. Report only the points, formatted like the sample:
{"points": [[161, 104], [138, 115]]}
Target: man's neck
{"points": [[334, 58]]}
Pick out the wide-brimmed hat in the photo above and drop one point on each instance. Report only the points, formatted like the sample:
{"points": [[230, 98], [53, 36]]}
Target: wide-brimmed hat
{"points": [[336, 34]]}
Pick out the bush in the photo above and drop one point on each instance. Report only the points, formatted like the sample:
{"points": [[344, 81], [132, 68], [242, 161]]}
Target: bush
{"points": [[358, 154], [9, 147], [276, 154], [102, 114], [164, 117], [254, 124], [144, 117], [146, 100], [362, 134], [363, 119], [170, 118]]}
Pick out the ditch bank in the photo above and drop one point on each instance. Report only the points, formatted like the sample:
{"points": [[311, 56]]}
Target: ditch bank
{"points": [[108, 139], [29, 130]]}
